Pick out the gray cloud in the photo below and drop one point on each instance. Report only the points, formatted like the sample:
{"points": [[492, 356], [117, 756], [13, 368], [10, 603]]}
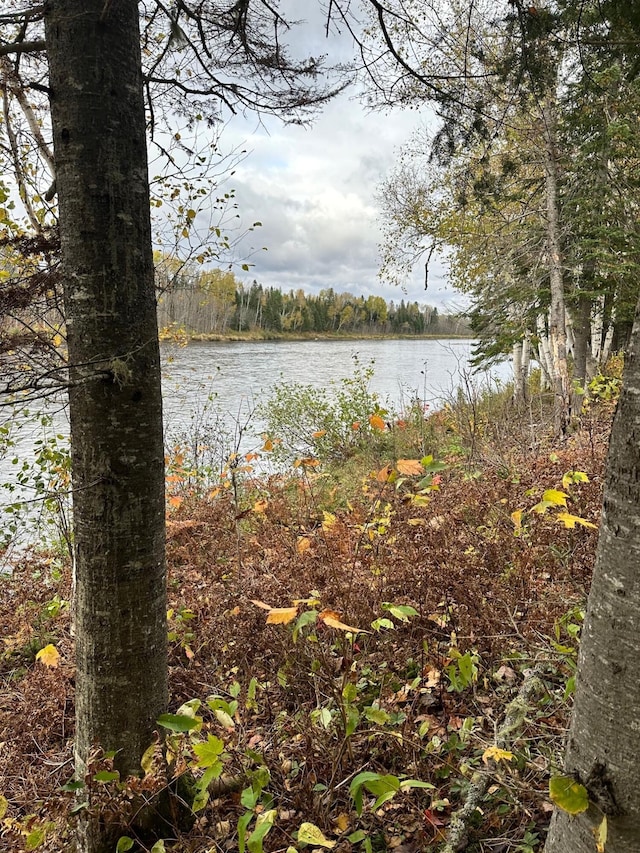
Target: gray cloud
{"points": [[314, 191]]}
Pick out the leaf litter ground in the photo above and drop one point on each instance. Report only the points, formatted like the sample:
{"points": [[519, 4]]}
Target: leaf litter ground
{"points": [[496, 594]]}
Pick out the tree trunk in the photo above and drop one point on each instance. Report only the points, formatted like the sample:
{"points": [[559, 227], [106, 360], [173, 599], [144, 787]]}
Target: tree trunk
{"points": [[604, 739], [98, 120], [557, 319], [582, 329]]}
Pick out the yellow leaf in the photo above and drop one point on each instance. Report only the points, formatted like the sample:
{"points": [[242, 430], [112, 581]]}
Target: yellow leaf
{"points": [[494, 753], [571, 520], [328, 520], [376, 422], [342, 822], [332, 619], [268, 445], [4, 805], [600, 833], [281, 615], [57, 340], [417, 522], [303, 545], [516, 517], [410, 467], [49, 656], [309, 833], [555, 497], [260, 506], [213, 493]]}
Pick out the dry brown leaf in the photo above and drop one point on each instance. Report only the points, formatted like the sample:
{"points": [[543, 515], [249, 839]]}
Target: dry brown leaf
{"points": [[332, 619]]}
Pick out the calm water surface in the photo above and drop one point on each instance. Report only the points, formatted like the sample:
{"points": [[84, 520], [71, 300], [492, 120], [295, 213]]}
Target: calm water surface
{"points": [[237, 376]]}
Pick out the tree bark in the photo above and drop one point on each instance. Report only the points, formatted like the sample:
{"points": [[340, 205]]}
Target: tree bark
{"points": [[604, 739], [99, 133], [557, 319]]}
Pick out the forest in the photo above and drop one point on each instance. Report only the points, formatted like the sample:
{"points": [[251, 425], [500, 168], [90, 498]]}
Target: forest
{"points": [[419, 634], [216, 302]]}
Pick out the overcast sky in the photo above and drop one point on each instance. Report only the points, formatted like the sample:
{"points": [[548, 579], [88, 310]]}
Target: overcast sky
{"points": [[313, 189]]}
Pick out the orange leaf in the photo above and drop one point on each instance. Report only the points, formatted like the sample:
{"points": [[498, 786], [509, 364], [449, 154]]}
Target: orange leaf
{"points": [[175, 501], [268, 445], [332, 619], [260, 506], [410, 467], [319, 433], [249, 457], [281, 615], [355, 425], [377, 422], [49, 656], [303, 545], [383, 474]]}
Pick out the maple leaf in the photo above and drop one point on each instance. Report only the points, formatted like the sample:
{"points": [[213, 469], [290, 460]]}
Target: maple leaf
{"points": [[410, 467], [49, 656]]}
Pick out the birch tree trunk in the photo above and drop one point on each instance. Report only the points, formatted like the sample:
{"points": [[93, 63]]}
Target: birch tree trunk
{"points": [[604, 739], [557, 320], [115, 400]]}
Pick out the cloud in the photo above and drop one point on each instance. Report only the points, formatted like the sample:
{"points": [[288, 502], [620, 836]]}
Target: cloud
{"points": [[314, 191]]}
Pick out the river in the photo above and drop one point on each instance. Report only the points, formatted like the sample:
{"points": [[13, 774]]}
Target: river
{"points": [[211, 388]]}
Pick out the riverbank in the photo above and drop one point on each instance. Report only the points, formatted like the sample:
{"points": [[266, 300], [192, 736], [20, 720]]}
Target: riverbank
{"points": [[351, 635], [255, 335]]}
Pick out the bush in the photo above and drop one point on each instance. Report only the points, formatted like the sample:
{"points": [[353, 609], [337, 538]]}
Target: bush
{"points": [[329, 424]]}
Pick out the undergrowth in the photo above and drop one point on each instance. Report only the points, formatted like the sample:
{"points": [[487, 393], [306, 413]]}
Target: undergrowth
{"points": [[352, 643]]}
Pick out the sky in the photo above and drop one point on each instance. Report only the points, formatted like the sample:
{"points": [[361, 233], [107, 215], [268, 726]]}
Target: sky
{"points": [[313, 189]]}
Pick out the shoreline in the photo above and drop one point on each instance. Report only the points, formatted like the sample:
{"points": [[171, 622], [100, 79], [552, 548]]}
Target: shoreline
{"points": [[255, 337]]}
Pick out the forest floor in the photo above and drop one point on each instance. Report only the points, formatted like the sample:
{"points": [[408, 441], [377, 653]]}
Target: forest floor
{"points": [[359, 660]]}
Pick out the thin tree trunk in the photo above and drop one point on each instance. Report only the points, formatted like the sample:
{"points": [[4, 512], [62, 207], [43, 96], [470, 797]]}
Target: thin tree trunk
{"points": [[604, 739], [557, 319], [115, 401], [582, 329]]}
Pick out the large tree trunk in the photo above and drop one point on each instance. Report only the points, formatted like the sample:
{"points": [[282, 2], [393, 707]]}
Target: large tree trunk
{"points": [[115, 400], [604, 740]]}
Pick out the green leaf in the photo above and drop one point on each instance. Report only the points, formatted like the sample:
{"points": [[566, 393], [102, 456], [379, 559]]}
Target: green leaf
{"points": [[106, 776], [124, 843], [159, 847], [35, 838], [356, 836], [264, 823], [568, 795], [400, 611], [243, 823], [179, 722], [415, 783], [376, 715], [209, 752], [309, 833]]}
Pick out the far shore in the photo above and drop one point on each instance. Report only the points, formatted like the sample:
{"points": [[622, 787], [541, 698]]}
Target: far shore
{"points": [[258, 336]]}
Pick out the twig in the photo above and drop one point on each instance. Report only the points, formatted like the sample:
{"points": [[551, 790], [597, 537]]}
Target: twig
{"points": [[513, 721]]}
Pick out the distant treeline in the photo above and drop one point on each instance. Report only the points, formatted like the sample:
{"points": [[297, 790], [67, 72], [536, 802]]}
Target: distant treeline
{"points": [[215, 302]]}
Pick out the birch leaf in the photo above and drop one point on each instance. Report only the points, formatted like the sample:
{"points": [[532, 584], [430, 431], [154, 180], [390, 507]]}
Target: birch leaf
{"points": [[309, 833], [49, 656], [568, 795]]}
